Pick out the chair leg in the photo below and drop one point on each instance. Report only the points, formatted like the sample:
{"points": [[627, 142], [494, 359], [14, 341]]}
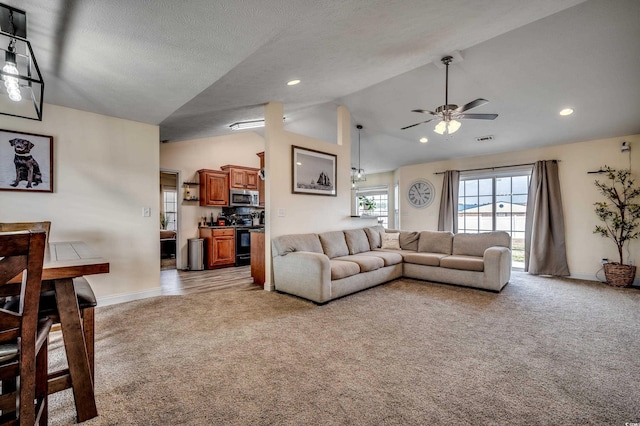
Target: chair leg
{"points": [[88, 326], [42, 383]]}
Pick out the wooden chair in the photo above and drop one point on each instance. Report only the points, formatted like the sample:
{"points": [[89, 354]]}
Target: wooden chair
{"points": [[86, 302], [23, 337]]}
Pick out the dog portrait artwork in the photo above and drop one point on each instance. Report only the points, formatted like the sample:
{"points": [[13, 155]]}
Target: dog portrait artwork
{"points": [[27, 168], [25, 161]]}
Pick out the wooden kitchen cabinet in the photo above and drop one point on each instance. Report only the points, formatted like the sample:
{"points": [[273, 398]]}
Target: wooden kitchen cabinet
{"points": [[257, 257], [241, 177], [220, 247], [214, 188]]}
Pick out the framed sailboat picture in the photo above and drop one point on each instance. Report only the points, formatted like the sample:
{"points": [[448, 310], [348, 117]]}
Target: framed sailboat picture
{"points": [[314, 172]]}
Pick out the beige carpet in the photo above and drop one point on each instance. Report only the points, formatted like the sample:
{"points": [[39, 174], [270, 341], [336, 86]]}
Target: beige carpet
{"points": [[544, 351]]}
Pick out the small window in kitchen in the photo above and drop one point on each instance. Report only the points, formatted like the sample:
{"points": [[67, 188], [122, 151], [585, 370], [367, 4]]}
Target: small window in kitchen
{"points": [[380, 196], [170, 205]]}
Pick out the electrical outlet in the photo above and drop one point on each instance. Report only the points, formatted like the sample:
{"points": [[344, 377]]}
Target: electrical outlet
{"points": [[146, 211], [604, 260]]}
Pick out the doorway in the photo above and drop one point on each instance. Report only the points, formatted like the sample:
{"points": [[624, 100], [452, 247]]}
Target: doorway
{"points": [[169, 218]]}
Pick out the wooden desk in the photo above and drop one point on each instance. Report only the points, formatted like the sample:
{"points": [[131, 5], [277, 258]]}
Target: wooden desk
{"points": [[62, 262]]}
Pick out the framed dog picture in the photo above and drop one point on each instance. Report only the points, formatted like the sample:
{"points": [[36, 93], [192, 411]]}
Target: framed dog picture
{"points": [[314, 172], [26, 162]]}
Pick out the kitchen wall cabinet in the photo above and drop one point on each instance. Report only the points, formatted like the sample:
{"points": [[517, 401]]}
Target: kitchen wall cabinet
{"points": [[214, 188], [220, 247], [241, 177]]}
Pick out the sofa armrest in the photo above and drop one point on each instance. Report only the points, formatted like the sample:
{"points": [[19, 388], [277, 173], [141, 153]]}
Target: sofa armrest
{"points": [[304, 274], [497, 265]]}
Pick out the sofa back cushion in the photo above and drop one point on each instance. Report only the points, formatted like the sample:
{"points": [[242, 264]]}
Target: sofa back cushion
{"points": [[334, 244], [373, 234], [357, 241], [476, 244], [435, 242], [285, 244], [409, 240]]}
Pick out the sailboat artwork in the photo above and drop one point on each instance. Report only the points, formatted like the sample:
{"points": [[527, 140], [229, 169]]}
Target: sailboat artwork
{"points": [[314, 172]]}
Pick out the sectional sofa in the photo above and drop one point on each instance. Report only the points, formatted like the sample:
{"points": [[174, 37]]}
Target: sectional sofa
{"points": [[323, 267]]}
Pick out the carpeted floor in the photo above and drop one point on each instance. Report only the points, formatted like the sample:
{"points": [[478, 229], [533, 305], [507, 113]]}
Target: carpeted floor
{"points": [[544, 351]]}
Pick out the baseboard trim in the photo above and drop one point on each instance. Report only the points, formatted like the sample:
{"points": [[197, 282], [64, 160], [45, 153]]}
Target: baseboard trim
{"points": [[129, 297]]}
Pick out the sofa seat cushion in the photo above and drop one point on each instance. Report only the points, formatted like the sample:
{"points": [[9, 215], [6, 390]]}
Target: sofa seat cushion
{"points": [[366, 263], [343, 269], [389, 257], [429, 259], [465, 263]]}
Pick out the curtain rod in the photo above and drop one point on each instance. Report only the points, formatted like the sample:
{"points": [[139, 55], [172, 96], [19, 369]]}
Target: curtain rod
{"points": [[495, 167]]}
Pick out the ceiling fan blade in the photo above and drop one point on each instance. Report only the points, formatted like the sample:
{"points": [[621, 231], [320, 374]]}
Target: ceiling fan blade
{"points": [[414, 125], [424, 111], [477, 116], [473, 104]]}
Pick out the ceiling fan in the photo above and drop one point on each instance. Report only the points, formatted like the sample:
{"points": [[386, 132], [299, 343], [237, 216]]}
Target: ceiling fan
{"points": [[450, 113]]}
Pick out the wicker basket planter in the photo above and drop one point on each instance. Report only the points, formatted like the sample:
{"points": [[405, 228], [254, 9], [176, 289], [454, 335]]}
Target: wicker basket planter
{"points": [[618, 275]]}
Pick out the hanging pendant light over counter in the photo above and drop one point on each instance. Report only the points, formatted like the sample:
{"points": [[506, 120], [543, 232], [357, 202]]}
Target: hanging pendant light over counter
{"points": [[357, 174]]}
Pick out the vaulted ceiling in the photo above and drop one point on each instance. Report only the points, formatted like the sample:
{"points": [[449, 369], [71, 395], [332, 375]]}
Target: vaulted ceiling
{"points": [[194, 67]]}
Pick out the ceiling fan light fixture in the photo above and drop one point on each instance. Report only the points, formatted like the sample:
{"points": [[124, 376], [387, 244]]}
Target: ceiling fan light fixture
{"points": [[449, 127]]}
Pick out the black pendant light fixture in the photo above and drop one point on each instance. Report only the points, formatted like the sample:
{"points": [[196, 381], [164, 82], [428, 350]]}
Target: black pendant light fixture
{"points": [[357, 174], [21, 95]]}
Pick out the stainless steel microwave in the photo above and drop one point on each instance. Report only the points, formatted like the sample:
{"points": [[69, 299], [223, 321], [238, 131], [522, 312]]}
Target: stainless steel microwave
{"points": [[243, 197]]}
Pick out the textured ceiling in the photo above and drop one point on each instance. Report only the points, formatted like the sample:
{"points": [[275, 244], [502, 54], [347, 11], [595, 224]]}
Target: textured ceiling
{"points": [[194, 67]]}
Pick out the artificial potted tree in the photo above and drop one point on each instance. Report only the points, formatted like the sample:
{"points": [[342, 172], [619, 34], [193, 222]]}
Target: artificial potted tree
{"points": [[620, 213]]}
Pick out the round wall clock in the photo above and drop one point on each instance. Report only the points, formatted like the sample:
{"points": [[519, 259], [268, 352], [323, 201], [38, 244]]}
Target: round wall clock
{"points": [[421, 193]]}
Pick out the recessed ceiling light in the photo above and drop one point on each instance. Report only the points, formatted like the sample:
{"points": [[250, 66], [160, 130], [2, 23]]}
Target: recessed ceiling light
{"points": [[293, 82], [566, 111], [424, 140]]}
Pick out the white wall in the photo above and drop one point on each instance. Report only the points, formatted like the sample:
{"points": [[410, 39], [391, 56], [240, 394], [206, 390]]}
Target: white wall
{"points": [[188, 157], [584, 249], [105, 172], [302, 213]]}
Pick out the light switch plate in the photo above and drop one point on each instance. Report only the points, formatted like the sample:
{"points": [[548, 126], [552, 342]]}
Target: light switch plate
{"points": [[146, 211]]}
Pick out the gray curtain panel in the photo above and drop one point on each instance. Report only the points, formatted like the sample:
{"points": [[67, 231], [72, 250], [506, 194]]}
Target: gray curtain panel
{"points": [[448, 217], [544, 244]]}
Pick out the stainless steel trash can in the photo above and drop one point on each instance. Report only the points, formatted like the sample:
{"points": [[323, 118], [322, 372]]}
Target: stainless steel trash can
{"points": [[196, 252]]}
